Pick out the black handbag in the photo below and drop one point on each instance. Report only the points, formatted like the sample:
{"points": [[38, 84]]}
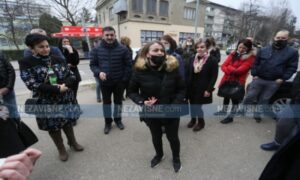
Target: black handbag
{"points": [[232, 89], [31, 105], [26, 135]]}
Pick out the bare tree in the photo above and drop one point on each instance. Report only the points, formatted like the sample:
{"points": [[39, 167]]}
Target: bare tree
{"points": [[249, 20], [70, 10], [10, 14]]}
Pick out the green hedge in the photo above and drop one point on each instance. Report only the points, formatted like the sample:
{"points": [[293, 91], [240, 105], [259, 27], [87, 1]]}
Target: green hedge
{"points": [[13, 55]]}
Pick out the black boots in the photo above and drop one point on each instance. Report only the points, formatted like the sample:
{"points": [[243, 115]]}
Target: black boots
{"points": [[58, 141], [200, 125], [223, 112], [192, 123], [68, 129], [196, 126], [227, 120]]}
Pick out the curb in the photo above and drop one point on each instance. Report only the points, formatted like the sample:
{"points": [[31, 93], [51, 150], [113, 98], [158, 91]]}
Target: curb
{"points": [[82, 84]]}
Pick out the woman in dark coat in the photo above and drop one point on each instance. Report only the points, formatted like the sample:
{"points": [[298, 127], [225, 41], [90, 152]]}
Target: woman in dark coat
{"points": [[213, 50], [156, 82], [72, 59], [202, 76], [51, 81]]}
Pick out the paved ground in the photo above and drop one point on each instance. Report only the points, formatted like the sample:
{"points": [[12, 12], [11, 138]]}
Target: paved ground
{"points": [[219, 152]]}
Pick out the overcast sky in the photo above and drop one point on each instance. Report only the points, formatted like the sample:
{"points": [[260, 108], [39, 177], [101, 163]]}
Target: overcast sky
{"points": [[294, 5]]}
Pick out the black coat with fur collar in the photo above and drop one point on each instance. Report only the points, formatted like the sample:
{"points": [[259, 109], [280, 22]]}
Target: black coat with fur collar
{"points": [[166, 84]]}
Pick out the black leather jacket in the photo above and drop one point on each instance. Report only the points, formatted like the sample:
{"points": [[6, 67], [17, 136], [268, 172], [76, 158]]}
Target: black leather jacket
{"points": [[7, 74]]}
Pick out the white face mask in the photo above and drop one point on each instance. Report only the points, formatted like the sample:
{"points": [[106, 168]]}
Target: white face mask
{"points": [[188, 43]]}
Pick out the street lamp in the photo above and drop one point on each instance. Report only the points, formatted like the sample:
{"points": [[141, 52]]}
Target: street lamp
{"points": [[197, 15]]}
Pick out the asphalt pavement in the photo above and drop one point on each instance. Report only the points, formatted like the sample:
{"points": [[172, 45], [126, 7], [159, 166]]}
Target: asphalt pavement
{"points": [[218, 152]]}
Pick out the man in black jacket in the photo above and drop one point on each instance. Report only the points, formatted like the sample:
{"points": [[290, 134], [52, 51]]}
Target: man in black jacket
{"points": [[111, 62], [273, 65], [7, 82]]}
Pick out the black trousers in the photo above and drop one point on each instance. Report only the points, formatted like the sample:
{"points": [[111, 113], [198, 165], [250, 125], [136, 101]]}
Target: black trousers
{"points": [[171, 128], [117, 91], [235, 105]]}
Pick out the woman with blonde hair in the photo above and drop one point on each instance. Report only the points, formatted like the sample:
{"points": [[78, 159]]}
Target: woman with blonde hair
{"points": [[157, 82]]}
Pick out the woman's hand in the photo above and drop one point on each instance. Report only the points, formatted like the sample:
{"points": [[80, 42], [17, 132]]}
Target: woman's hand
{"points": [[206, 94], [4, 113], [69, 48], [150, 101], [19, 167], [63, 88]]}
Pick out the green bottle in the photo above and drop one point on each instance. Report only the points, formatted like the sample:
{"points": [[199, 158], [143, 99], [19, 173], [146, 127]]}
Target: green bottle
{"points": [[52, 76]]}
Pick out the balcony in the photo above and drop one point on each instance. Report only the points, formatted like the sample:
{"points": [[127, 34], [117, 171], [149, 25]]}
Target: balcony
{"points": [[209, 13], [209, 21]]}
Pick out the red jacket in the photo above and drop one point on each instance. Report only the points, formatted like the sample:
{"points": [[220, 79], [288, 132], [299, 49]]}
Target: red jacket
{"points": [[237, 69]]}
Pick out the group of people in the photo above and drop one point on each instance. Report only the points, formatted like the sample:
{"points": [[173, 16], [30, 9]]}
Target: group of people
{"points": [[160, 75]]}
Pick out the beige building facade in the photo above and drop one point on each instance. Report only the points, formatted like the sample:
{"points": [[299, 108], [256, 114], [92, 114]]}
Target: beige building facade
{"points": [[147, 20]]}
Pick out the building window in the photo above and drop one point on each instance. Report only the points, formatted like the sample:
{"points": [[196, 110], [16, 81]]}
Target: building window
{"points": [[110, 14], [151, 7], [189, 13], [99, 19], [184, 35], [164, 8], [148, 36], [137, 6]]}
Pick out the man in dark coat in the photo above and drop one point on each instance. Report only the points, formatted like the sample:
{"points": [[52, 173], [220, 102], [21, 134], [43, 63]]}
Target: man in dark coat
{"points": [[273, 65], [288, 123], [284, 165], [111, 62]]}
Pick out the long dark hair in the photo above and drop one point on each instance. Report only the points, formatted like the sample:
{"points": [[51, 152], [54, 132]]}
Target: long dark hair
{"points": [[245, 42], [169, 39], [60, 43]]}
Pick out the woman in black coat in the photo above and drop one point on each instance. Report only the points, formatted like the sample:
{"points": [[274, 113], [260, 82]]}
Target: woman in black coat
{"points": [[156, 82], [51, 81], [202, 76], [72, 59]]}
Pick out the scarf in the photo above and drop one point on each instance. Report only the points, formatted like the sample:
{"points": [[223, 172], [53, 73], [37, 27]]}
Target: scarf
{"points": [[198, 64]]}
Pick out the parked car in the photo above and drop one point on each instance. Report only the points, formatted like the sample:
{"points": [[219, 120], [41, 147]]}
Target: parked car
{"points": [[282, 96], [230, 48]]}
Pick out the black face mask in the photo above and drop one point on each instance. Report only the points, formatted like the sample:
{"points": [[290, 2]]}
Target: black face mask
{"points": [[279, 44], [158, 60], [42, 56]]}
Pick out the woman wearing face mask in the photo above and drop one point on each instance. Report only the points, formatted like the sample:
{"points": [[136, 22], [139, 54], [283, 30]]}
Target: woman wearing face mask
{"points": [[156, 81], [51, 81], [170, 47], [236, 68], [203, 73]]}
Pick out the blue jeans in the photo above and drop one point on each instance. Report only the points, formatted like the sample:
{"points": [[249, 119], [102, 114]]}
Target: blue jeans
{"points": [[260, 91], [98, 88], [10, 102]]}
